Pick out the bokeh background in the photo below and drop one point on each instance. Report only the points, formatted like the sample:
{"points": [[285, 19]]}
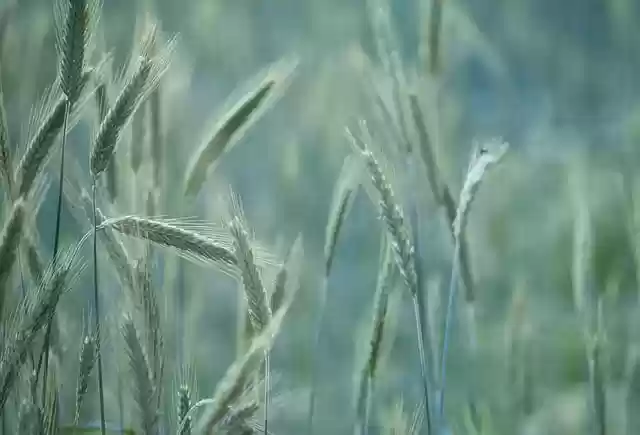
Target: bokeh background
{"points": [[558, 80]]}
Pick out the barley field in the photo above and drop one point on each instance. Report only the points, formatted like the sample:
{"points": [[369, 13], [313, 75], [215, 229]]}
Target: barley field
{"points": [[399, 217]]}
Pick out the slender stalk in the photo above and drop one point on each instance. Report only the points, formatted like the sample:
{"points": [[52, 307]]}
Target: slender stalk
{"points": [[267, 386], [423, 360], [363, 407], [447, 327], [180, 316], [120, 403], [435, 26], [482, 160], [344, 193], [419, 300], [56, 245], [314, 351], [96, 301], [596, 383]]}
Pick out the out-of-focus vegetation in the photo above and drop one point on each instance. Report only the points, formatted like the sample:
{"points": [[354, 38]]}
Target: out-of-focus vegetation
{"points": [[552, 235]]}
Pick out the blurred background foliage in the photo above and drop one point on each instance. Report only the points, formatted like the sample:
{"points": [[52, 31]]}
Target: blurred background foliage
{"points": [[558, 80]]}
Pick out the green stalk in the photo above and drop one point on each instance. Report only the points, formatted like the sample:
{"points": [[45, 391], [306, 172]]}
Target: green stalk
{"points": [[96, 301], [56, 246], [314, 351]]}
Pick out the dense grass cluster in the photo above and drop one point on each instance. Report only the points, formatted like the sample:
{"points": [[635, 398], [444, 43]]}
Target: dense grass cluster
{"points": [[392, 159]]}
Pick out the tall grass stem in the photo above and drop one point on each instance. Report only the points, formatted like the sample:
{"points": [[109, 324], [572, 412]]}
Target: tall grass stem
{"points": [[96, 302]]}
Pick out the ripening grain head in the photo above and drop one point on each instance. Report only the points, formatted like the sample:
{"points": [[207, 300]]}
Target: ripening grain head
{"points": [[143, 390], [483, 159], [393, 218], [88, 356], [231, 387], [255, 293], [145, 78], [231, 126], [39, 147], [118, 117], [33, 313], [186, 242], [9, 246], [344, 194], [75, 20]]}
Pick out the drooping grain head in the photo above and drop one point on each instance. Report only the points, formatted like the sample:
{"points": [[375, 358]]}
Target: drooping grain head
{"points": [[187, 243], [232, 124], [484, 158], [257, 299]]}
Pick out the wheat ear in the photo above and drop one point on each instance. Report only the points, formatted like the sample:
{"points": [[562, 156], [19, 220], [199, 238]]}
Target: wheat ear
{"points": [[9, 247], [187, 243], [118, 117], [39, 147], [144, 392], [184, 405], [368, 371], [481, 161], [5, 151], [232, 124], [88, 358], [403, 250], [588, 303], [255, 293], [232, 385], [33, 314]]}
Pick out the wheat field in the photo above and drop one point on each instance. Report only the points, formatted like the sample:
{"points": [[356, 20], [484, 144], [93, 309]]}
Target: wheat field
{"points": [[319, 217]]}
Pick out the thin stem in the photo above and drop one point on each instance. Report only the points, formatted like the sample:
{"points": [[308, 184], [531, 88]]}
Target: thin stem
{"points": [[447, 326], [363, 407], [367, 406], [180, 304], [96, 301], [424, 348], [24, 295], [423, 360], [120, 403], [267, 370], [314, 352], [56, 237], [56, 246]]}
